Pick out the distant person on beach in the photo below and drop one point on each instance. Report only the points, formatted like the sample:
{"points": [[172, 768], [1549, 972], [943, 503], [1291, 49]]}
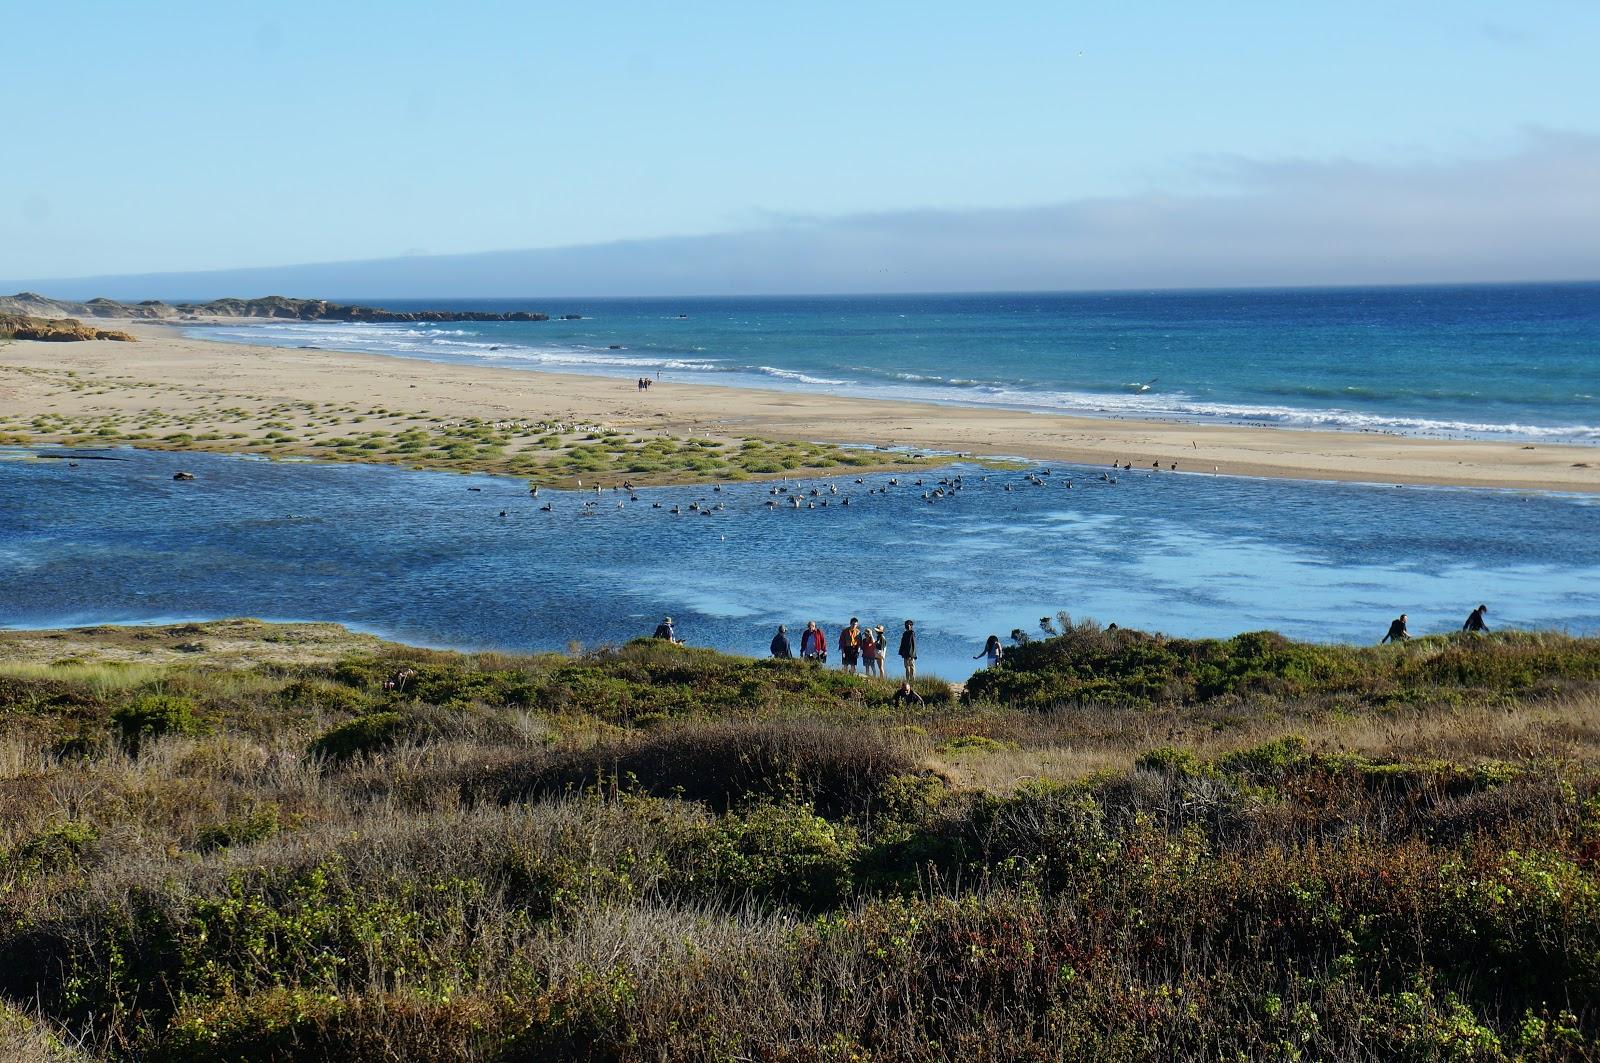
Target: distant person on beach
{"points": [[664, 631], [780, 644], [871, 659], [813, 643], [850, 646], [1475, 621], [908, 651], [991, 652], [1397, 631]]}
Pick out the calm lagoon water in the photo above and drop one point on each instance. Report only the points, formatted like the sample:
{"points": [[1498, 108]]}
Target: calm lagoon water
{"points": [[422, 557]]}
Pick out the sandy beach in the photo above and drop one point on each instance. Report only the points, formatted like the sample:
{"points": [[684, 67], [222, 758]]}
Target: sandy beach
{"points": [[239, 395]]}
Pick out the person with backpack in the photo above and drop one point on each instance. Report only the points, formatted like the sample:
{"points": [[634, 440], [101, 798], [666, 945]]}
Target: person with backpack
{"points": [[1475, 623], [908, 651], [664, 631], [1397, 631], [850, 646]]}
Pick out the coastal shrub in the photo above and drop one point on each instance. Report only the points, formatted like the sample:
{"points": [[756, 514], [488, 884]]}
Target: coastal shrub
{"points": [[246, 828], [46, 852], [372, 733], [155, 715], [757, 859], [774, 850], [836, 769], [1124, 667], [321, 696]]}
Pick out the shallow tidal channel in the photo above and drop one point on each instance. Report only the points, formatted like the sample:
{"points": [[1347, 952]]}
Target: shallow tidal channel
{"points": [[427, 558]]}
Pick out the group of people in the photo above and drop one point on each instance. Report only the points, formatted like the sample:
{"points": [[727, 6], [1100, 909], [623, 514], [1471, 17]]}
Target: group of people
{"points": [[860, 647], [1398, 632]]}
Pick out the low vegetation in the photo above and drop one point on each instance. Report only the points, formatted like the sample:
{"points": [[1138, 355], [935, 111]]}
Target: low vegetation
{"points": [[1116, 846], [125, 411]]}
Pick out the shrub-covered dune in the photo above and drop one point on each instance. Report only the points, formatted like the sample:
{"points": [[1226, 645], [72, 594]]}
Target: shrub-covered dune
{"points": [[1114, 847]]}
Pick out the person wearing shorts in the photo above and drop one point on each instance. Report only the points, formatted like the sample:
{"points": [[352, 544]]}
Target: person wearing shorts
{"points": [[850, 645]]}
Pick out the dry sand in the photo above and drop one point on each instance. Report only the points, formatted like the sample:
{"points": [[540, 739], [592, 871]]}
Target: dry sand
{"points": [[190, 379]]}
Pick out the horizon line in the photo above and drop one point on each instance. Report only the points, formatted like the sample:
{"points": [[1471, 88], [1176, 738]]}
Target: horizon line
{"points": [[917, 293]]}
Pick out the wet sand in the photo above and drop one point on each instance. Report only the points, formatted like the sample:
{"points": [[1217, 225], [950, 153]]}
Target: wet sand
{"points": [[189, 379]]}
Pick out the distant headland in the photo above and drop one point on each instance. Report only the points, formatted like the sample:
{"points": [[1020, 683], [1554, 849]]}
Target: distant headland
{"points": [[31, 304]]}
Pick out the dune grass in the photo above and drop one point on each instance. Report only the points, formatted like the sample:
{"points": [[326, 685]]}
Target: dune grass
{"points": [[547, 452], [1247, 849]]}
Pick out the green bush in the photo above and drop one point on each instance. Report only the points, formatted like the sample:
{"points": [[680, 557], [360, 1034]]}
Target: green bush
{"points": [[1085, 665], [779, 851], [155, 715], [367, 734]]}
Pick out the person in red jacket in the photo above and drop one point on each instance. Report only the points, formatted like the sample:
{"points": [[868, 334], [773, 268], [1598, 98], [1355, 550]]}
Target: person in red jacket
{"points": [[813, 643]]}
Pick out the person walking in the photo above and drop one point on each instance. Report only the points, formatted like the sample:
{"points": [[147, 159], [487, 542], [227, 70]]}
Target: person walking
{"points": [[813, 643], [1397, 631], [780, 644], [850, 646], [991, 652], [1475, 622], [908, 650], [871, 661]]}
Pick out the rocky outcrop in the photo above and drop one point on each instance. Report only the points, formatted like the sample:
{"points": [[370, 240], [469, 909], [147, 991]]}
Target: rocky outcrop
{"points": [[271, 306], [56, 329]]}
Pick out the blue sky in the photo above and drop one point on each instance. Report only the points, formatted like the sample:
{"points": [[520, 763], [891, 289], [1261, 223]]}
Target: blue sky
{"points": [[187, 136]]}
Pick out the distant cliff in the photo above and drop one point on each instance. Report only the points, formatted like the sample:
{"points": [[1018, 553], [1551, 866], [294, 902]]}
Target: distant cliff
{"points": [[30, 304], [26, 327]]}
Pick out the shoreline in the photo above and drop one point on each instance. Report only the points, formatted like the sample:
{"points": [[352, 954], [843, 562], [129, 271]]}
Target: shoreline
{"points": [[188, 381], [750, 379]]}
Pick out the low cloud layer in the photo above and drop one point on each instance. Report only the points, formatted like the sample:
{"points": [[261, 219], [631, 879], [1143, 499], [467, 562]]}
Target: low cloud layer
{"points": [[1530, 215]]}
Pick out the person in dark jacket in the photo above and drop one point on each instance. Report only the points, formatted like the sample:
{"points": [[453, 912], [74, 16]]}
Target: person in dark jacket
{"points": [[1397, 631], [664, 631], [908, 650], [1475, 620], [780, 644]]}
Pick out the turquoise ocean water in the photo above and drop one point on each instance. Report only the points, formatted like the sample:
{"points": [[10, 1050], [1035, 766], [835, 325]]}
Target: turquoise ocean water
{"points": [[1500, 361]]}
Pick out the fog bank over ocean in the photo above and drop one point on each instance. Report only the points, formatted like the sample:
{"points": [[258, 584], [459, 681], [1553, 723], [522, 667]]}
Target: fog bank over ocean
{"points": [[1530, 214]]}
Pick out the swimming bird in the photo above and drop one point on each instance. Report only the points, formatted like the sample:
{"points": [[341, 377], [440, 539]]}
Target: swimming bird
{"points": [[548, 507], [1140, 389]]}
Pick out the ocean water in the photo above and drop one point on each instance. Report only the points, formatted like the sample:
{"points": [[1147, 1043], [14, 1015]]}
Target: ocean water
{"points": [[1501, 361], [425, 557]]}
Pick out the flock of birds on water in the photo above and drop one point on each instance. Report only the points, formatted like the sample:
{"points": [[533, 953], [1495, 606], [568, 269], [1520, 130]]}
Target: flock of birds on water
{"points": [[805, 496]]}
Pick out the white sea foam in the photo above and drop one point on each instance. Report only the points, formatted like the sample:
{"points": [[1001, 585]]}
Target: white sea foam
{"points": [[470, 344]]}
